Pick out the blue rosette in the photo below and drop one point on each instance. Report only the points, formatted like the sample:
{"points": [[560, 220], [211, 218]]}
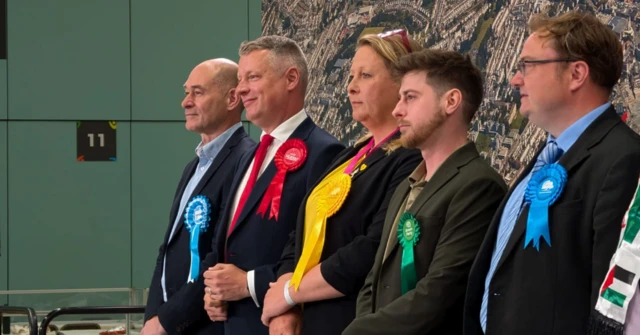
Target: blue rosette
{"points": [[196, 218], [544, 188]]}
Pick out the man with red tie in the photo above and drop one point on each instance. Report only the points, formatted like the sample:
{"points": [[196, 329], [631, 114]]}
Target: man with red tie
{"points": [[268, 189]]}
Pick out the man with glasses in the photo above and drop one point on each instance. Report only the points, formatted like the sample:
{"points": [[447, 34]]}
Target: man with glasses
{"points": [[548, 249]]}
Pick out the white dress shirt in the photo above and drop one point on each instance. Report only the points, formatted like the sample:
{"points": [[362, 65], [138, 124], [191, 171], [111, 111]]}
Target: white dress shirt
{"points": [[280, 135]]}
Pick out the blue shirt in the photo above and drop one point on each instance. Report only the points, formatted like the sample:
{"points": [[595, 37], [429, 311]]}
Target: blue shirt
{"points": [[565, 141], [206, 155]]}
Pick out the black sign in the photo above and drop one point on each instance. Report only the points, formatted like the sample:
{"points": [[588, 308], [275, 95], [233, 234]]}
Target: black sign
{"points": [[96, 141]]}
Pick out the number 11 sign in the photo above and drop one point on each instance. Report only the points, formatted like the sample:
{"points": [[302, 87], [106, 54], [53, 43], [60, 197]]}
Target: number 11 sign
{"points": [[96, 141]]}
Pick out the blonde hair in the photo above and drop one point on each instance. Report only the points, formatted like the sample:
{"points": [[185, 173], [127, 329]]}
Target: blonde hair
{"points": [[391, 49]]}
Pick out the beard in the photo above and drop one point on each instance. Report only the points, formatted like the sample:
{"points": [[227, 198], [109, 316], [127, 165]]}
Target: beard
{"points": [[416, 136]]}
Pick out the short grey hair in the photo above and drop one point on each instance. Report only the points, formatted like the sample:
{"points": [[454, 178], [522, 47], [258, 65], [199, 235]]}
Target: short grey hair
{"points": [[283, 53]]}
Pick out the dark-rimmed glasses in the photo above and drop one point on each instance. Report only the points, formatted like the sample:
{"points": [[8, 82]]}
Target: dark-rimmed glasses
{"points": [[522, 64], [402, 33]]}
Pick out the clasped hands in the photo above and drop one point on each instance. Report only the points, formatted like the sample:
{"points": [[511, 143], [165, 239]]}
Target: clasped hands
{"points": [[223, 283], [275, 303], [226, 282]]}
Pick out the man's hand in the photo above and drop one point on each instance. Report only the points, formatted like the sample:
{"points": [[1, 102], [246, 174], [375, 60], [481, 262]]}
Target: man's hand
{"points": [[289, 323], [216, 310], [274, 301], [153, 327], [226, 282]]}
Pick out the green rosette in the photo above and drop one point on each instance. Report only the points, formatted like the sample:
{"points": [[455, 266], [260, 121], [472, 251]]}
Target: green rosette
{"points": [[408, 235]]}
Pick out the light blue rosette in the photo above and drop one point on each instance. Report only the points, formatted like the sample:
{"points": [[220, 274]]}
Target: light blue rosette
{"points": [[196, 218], [544, 188]]}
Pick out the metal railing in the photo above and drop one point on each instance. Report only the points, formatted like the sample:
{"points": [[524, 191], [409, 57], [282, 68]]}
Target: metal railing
{"points": [[88, 311], [16, 310], [134, 295]]}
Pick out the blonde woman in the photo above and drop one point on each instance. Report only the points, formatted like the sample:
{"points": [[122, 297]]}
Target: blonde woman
{"points": [[340, 221]]}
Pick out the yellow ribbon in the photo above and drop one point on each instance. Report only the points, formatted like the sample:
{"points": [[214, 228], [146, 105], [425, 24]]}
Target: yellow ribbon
{"points": [[324, 201]]}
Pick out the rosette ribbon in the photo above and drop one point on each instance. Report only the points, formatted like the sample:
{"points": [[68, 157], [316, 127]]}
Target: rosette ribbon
{"points": [[196, 218], [325, 200], [408, 236], [289, 157], [544, 188]]}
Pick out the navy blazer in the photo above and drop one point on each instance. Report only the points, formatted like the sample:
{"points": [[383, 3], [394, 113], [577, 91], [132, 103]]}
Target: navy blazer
{"points": [[256, 243], [215, 185]]}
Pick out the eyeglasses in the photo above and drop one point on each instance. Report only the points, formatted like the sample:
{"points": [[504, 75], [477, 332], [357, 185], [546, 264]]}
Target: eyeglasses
{"points": [[522, 64], [401, 32]]}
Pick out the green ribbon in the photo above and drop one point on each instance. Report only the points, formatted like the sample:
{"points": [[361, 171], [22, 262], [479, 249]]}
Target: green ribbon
{"points": [[408, 234]]}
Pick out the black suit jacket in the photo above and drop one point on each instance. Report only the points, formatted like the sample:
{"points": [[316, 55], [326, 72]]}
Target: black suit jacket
{"points": [[352, 235], [215, 185], [256, 243], [553, 291], [453, 210]]}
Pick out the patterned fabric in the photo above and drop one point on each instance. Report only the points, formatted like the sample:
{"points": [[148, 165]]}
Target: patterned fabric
{"points": [[617, 308]]}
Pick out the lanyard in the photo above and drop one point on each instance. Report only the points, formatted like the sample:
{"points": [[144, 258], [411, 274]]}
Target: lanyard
{"points": [[365, 151]]}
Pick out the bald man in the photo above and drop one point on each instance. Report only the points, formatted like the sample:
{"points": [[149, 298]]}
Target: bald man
{"points": [[212, 109]]}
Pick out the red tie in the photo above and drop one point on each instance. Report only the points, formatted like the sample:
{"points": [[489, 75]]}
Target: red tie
{"points": [[261, 153]]}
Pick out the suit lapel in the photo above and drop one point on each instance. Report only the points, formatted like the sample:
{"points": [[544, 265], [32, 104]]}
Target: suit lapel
{"points": [[302, 132], [441, 178], [339, 160], [257, 192], [375, 156], [189, 170], [225, 218], [217, 162], [570, 161], [397, 200], [369, 161], [220, 158], [443, 175]]}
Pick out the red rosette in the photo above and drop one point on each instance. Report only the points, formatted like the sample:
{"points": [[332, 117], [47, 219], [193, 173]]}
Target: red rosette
{"points": [[290, 156]]}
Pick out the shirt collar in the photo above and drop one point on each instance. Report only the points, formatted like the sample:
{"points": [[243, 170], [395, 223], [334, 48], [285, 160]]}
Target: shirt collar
{"points": [[416, 178], [211, 149], [286, 128], [571, 134]]}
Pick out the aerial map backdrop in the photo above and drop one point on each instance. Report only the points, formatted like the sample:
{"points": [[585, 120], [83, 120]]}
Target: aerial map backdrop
{"points": [[492, 32]]}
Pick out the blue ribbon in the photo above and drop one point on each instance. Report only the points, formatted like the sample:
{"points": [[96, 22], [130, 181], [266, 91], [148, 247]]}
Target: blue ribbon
{"points": [[196, 218], [544, 188]]}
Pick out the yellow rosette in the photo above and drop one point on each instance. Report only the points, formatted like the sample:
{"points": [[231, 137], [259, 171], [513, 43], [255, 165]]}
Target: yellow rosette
{"points": [[325, 200]]}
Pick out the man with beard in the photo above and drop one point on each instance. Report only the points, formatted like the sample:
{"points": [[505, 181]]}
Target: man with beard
{"points": [[437, 218]]}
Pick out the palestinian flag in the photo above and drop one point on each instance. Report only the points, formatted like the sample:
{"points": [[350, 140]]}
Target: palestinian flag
{"points": [[620, 285], [621, 282]]}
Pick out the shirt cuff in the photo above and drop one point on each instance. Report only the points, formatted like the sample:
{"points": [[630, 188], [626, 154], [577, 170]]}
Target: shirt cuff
{"points": [[252, 287]]}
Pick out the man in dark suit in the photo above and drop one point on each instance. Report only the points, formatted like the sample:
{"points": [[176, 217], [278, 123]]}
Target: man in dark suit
{"points": [[269, 187], [437, 218], [212, 109], [548, 248]]}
